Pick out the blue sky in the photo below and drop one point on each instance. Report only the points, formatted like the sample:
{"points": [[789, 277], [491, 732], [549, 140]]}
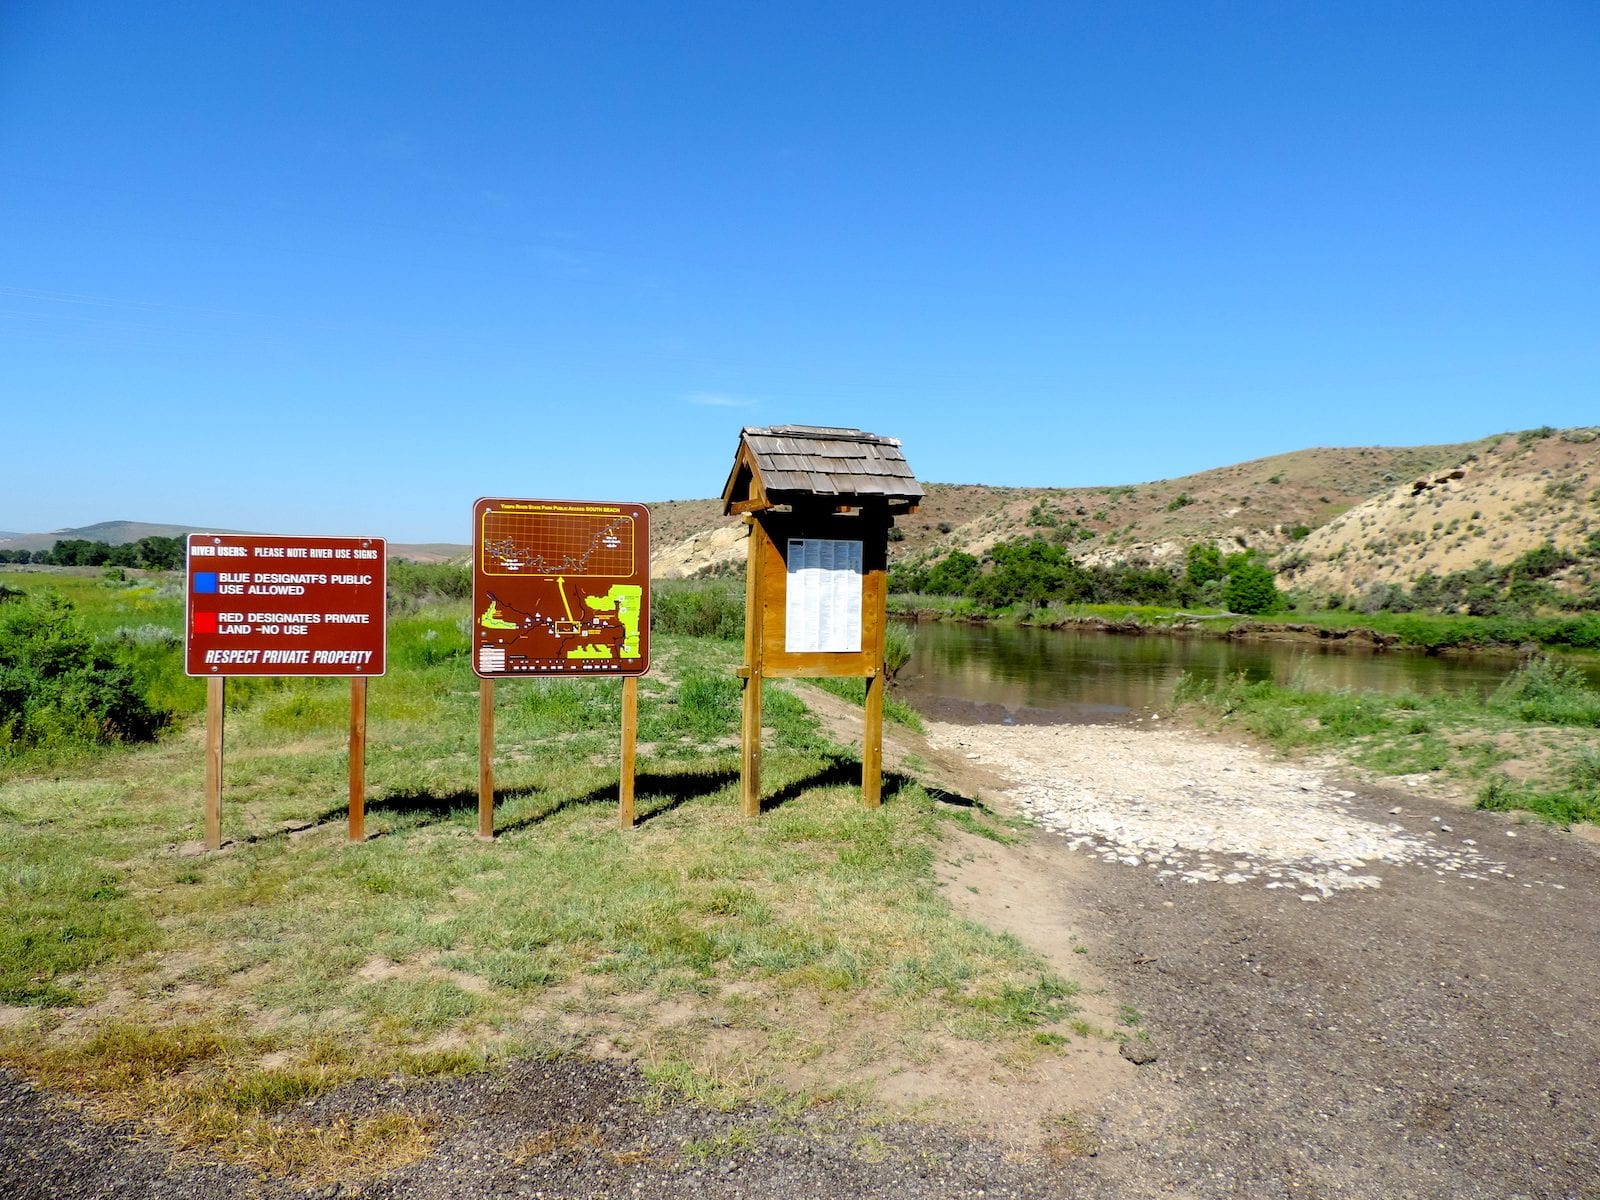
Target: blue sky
{"points": [[313, 267]]}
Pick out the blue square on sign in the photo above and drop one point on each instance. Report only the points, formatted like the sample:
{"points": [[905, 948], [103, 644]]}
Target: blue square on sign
{"points": [[205, 582]]}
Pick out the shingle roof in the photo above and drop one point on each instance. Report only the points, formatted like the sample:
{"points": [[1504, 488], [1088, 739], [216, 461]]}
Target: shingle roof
{"points": [[799, 461]]}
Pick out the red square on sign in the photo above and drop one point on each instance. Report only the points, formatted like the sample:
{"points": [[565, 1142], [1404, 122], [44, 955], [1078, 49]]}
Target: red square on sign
{"points": [[205, 622]]}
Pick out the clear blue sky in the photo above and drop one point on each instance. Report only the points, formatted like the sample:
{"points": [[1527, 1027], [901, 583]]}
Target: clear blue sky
{"points": [[344, 267]]}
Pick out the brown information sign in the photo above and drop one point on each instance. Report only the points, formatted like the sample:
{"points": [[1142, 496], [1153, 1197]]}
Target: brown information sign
{"points": [[560, 587], [269, 605]]}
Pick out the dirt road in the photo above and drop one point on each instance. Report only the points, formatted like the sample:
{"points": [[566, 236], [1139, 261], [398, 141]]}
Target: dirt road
{"points": [[1428, 1032]]}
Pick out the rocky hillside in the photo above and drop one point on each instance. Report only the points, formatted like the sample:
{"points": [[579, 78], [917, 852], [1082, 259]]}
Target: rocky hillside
{"points": [[1261, 503], [1510, 495], [1333, 521]]}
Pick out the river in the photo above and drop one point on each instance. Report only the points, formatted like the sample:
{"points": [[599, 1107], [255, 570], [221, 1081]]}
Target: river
{"points": [[1009, 674]]}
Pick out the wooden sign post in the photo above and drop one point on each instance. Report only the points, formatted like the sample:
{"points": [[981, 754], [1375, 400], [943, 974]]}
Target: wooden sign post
{"points": [[216, 708], [260, 604], [358, 759], [819, 502], [559, 588]]}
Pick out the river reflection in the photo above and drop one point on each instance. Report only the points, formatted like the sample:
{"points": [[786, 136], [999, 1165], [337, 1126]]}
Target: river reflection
{"points": [[1006, 674]]}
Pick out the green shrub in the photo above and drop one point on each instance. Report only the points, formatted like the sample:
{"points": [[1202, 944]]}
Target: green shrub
{"points": [[413, 583], [1250, 588], [57, 688], [699, 608], [1544, 690], [899, 642]]}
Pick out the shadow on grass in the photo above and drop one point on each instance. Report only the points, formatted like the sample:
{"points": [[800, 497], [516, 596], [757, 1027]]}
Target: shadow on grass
{"points": [[659, 793], [845, 772]]}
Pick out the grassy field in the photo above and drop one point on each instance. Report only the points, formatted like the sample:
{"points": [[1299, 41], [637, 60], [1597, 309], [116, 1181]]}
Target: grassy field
{"points": [[789, 957]]}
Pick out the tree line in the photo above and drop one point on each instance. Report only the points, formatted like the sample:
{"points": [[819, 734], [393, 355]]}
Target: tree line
{"points": [[153, 553], [1034, 572]]}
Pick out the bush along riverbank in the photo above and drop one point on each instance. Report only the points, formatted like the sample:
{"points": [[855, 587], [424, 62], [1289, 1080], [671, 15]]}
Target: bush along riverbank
{"points": [[1529, 745], [1035, 581], [1430, 633]]}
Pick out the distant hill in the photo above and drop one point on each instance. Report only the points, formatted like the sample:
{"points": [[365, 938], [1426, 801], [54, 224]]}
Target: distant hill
{"points": [[113, 533], [117, 533]]}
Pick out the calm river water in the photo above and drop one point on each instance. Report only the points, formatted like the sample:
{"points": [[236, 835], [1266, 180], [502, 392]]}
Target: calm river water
{"points": [[1005, 674]]}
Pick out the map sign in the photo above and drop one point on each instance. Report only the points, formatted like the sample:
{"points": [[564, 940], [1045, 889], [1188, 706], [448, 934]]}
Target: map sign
{"points": [[261, 604], [560, 587]]}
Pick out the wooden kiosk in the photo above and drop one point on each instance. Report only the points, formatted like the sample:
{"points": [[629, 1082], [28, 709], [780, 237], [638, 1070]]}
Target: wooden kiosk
{"points": [[819, 503]]}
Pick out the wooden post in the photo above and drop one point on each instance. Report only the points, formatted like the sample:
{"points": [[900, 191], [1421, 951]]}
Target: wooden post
{"points": [[875, 604], [215, 695], [750, 725], [750, 748], [486, 759], [872, 743], [358, 758], [630, 740]]}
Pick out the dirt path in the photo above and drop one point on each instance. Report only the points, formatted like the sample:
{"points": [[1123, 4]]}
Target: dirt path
{"points": [[1425, 1032]]}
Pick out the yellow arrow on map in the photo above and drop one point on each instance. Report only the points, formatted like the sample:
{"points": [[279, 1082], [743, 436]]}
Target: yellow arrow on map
{"points": [[561, 586]]}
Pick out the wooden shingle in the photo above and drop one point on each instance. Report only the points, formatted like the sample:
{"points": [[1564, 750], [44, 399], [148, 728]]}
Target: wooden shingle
{"points": [[802, 464]]}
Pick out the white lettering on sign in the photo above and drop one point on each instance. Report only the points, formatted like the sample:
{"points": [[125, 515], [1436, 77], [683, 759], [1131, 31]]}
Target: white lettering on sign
{"points": [[341, 656], [233, 656]]}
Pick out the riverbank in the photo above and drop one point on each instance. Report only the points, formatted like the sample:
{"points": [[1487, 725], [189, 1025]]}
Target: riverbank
{"points": [[1431, 633]]}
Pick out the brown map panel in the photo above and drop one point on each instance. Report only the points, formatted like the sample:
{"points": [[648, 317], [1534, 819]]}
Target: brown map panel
{"points": [[279, 605], [560, 587]]}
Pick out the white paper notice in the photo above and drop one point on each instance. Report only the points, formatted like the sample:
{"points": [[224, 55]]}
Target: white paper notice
{"points": [[823, 613]]}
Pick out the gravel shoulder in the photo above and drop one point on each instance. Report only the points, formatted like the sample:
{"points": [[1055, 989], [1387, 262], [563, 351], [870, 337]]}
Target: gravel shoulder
{"points": [[1348, 992]]}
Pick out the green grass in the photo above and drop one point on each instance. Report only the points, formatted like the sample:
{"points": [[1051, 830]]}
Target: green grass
{"points": [[855, 691], [211, 993], [1544, 712]]}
